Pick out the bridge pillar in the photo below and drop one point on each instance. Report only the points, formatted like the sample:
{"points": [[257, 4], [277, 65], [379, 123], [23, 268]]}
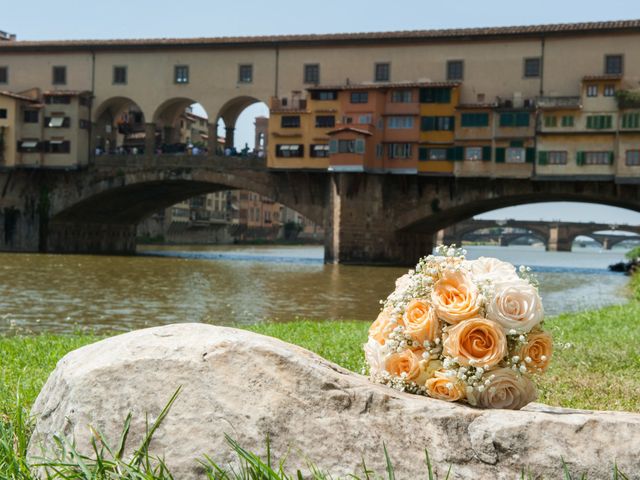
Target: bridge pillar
{"points": [[212, 140], [90, 238], [359, 228], [149, 138], [559, 239]]}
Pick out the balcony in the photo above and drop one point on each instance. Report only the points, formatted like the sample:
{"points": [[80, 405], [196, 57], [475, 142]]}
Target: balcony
{"points": [[559, 103], [628, 98]]}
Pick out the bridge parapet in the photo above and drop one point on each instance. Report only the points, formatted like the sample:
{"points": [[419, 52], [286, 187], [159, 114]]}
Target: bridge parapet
{"points": [[250, 162]]}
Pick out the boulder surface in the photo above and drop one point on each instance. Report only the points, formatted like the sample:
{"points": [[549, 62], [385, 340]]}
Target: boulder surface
{"points": [[250, 386]]}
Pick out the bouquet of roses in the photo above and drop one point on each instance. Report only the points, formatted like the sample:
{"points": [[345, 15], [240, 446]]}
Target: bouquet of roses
{"points": [[462, 330]]}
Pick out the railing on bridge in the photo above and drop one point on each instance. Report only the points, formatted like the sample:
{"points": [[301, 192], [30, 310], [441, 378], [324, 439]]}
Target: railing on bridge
{"points": [[252, 162]]}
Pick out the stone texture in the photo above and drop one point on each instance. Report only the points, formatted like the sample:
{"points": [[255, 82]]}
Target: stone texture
{"points": [[248, 386]]}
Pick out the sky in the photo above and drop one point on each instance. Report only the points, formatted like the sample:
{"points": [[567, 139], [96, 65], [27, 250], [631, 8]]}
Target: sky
{"points": [[72, 19]]}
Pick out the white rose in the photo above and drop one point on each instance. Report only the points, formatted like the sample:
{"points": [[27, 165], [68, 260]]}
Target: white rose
{"points": [[403, 282], [515, 305], [374, 355], [491, 269], [507, 389]]}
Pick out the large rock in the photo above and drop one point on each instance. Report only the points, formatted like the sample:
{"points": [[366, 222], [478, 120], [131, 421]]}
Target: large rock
{"points": [[248, 386]]}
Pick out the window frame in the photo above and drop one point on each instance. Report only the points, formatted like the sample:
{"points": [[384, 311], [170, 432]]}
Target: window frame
{"points": [[611, 56], [402, 96], [509, 155], [178, 77], [473, 158], [609, 90], [331, 124], [4, 74], [562, 155], [114, 78], [451, 68], [30, 111], [243, 68], [399, 151], [636, 162], [592, 91], [385, 69], [400, 122], [526, 63], [311, 73], [359, 97], [59, 71], [290, 121]]}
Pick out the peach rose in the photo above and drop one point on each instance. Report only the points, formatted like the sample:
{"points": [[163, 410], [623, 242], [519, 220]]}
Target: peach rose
{"points": [[442, 387], [410, 363], [537, 350], [421, 322], [382, 327], [477, 341], [455, 297], [508, 389], [516, 305]]}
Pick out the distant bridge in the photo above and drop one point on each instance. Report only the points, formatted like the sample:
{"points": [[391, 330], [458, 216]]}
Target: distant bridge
{"points": [[556, 236]]}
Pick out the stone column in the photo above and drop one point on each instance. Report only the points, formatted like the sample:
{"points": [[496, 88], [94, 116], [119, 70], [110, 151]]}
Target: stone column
{"points": [[229, 137], [559, 239], [212, 141], [150, 139]]}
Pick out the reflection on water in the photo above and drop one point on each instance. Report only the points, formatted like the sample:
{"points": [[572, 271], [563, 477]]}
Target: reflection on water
{"points": [[227, 285]]}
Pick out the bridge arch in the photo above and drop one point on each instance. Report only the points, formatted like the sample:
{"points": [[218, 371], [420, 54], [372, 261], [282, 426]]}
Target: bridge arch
{"points": [[170, 120], [120, 123], [231, 111]]}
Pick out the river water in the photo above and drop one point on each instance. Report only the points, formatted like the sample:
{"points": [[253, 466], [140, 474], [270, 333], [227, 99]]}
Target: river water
{"points": [[242, 285]]}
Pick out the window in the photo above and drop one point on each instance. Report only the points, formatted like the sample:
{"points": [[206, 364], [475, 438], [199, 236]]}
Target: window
{"points": [[473, 153], [400, 122], [550, 121], [609, 91], [57, 122], [359, 97], [437, 123], [365, 119], [245, 73], [59, 146], [379, 151], [455, 70], [119, 75], [4, 74], [312, 73], [613, 64], [319, 151], [289, 150], [531, 67], [325, 121], [347, 120], [381, 72], [557, 158], [324, 95], [346, 146], [31, 116], [567, 120], [516, 119], [399, 150], [474, 120], [632, 158], [594, 158], [592, 90], [401, 96], [435, 95], [181, 74], [631, 120], [515, 155], [30, 146], [599, 122], [59, 75], [290, 121], [3, 113], [437, 154]]}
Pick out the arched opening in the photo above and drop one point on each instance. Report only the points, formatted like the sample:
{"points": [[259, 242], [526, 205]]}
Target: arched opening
{"points": [[182, 127], [120, 127], [243, 122]]}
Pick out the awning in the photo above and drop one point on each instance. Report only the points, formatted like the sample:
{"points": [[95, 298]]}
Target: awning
{"points": [[294, 147], [56, 142], [56, 121], [284, 147], [29, 144], [321, 147]]}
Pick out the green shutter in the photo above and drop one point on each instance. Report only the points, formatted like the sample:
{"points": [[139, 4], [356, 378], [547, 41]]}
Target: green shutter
{"points": [[427, 124], [452, 123], [516, 144], [426, 95], [486, 153], [451, 153], [522, 119], [608, 121], [612, 158], [530, 155], [359, 145], [458, 153], [580, 158], [333, 146], [543, 158], [590, 122], [423, 153], [501, 154], [506, 120]]}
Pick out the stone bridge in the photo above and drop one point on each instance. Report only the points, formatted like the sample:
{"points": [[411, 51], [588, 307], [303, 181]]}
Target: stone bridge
{"points": [[368, 218], [557, 236]]}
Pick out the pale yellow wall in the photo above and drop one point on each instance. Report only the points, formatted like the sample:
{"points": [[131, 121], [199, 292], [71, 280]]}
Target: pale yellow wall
{"points": [[573, 144]]}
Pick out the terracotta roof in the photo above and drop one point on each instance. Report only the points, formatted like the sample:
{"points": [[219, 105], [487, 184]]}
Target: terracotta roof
{"points": [[66, 93], [17, 96], [380, 85], [349, 129], [340, 38], [591, 78]]}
